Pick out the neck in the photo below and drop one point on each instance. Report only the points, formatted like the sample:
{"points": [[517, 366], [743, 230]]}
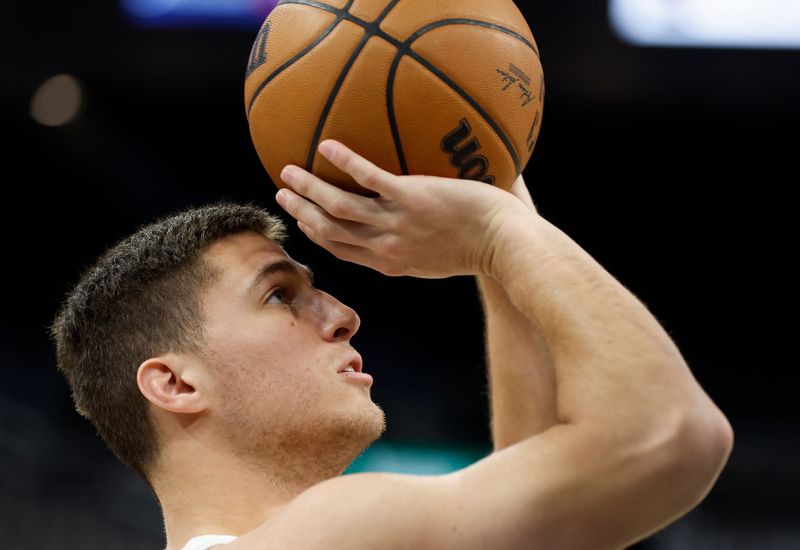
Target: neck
{"points": [[212, 492]]}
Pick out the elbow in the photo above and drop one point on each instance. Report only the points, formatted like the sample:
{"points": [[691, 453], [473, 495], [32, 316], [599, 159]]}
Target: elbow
{"points": [[708, 438], [700, 451]]}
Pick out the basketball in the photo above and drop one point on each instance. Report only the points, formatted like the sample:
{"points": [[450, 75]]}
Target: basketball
{"points": [[450, 88]]}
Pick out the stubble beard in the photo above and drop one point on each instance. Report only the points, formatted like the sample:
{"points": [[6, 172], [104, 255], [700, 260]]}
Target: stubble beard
{"points": [[306, 448]]}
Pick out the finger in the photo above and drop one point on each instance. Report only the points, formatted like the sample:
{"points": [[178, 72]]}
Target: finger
{"points": [[334, 200], [351, 253], [520, 190], [322, 223], [363, 171]]}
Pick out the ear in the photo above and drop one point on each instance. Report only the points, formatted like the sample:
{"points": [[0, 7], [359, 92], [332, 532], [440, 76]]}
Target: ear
{"points": [[172, 382]]}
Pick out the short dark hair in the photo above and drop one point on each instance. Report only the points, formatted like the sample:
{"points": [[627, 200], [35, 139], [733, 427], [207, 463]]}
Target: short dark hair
{"points": [[139, 300]]}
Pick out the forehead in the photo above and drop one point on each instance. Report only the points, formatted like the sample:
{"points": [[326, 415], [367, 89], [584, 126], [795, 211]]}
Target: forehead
{"points": [[243, 253], [244, 261], [236, 261]]}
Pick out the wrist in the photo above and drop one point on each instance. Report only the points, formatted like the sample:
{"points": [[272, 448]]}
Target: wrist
{"points": [[512, 235]]}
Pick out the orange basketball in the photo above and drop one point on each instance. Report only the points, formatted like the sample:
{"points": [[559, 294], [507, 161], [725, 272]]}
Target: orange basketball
{"points": [[448, 88]]}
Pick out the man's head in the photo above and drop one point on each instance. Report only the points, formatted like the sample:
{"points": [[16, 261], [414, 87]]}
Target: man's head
{"points": [[203, 317]]}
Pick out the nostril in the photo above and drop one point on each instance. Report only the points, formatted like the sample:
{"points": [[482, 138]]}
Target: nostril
{"points": [[341, 332]]}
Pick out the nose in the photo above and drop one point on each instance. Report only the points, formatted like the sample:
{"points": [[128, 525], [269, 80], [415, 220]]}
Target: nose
{"points": [[340, 322]]}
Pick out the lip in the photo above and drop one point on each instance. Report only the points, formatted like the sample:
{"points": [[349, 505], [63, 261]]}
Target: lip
{"points": [[360, 377], [357, 363], [354, 361]]}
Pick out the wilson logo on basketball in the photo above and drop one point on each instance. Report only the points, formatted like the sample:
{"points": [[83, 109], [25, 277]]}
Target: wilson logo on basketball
{"points": [[462, 156], [258, 55]]}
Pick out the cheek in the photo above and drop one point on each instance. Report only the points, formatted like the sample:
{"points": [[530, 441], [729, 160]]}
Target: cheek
{"points": [[280, 358]]}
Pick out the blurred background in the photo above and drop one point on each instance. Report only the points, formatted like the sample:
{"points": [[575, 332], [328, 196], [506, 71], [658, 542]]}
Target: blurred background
{"points": [[668, 150]]}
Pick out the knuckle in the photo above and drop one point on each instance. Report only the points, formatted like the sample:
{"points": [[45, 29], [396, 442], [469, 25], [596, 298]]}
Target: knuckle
{"points": [[393, 224], [422, 207], [339, 208], [392, 245], [326, 232], [300, 183], [372, 177], [350, 164]]}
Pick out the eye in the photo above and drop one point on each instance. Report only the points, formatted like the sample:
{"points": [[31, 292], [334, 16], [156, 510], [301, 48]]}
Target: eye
{"points": [[280, 294]]}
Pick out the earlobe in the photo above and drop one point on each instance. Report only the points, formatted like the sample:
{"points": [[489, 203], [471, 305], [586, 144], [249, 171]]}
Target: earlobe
{"points": [[164, 381]]}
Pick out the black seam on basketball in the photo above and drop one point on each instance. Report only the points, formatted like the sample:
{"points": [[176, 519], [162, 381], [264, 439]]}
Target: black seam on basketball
{"points": [[370, 30], [475, 22], [340, 14], [460, 21], [332, 97], [456, 88], [398, 145], [289, 63], [389, 7], [405, 49]]}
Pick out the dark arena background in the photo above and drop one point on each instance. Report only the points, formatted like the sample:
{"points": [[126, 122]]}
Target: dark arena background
{"points": [[670, 163]]}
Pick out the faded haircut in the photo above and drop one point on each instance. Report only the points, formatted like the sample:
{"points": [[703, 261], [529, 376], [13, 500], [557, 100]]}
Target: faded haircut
{"points": [[139, 300]]}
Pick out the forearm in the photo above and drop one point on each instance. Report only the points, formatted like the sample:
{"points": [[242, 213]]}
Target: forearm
{"points": [[520, 375], [613, 361]]}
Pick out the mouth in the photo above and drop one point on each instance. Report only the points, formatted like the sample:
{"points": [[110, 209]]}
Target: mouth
{"points": [[353, 362]]}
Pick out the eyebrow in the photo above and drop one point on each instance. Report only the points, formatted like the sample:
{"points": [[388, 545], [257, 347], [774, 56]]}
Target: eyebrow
{"points": [[281, 266]]}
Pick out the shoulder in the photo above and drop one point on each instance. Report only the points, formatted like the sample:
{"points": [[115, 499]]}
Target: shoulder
{"points": [[516, 498], [366, 510]]}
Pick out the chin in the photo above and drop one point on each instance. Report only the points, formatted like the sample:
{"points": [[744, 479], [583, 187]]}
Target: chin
{"points": [[367, 423], [377, 421], [364, 430]]}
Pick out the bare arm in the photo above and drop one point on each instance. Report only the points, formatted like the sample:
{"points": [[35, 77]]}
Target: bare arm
{"points": [[637, 443], [614, 362], [520, 371]]}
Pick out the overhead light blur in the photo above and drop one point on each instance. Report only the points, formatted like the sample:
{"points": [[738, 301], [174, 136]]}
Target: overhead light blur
{"points": [[57, 101], [193, 13], [708, 23]]}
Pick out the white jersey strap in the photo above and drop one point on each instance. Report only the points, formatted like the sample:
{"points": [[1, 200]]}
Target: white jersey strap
{"points": [[204, 542]]}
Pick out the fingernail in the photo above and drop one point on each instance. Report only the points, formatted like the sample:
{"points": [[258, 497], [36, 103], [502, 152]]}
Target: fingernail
{"points": [[288, 174], [281, 196]]}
